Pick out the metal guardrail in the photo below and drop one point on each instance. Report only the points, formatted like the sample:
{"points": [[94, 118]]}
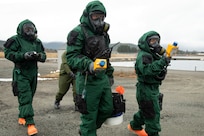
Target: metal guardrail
{"points": [[188, 58]]}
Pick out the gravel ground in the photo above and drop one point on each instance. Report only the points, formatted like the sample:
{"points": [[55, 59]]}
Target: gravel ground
{"points": [[182, 112]]}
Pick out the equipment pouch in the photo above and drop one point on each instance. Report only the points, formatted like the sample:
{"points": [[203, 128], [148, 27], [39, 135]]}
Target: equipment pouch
{"points": [[81, 104], [147, 108], [118, 103], [14, 88]]}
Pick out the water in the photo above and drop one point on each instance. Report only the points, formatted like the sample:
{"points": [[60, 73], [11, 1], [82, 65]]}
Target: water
{"points": [[10, 79], [188, 65]]}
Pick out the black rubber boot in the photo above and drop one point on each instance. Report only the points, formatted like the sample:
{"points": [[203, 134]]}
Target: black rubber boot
{"points": [[57, 104], [79, 132]]}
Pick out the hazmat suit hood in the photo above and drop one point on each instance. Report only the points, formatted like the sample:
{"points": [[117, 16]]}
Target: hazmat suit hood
{"points": [[20, 27], [143, 42], [91, 6]]}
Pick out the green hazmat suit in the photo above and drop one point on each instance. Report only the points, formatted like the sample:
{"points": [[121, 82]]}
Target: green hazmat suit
{"points": [[65, 80], [149, 67], [80, 54], [25, 71]]}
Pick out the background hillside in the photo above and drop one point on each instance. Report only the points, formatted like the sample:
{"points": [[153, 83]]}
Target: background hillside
{"points": [[119, 48], [48, 45], [54, 46]]}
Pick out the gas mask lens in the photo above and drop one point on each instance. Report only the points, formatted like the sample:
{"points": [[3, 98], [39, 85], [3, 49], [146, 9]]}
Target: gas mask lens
{"points": [[154, 43], [29, 29], [97, 16], [154, 40]]}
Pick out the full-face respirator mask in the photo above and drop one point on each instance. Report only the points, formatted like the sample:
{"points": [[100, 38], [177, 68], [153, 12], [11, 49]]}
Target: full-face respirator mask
{"points": [[97, 21], [29, 31], [154, 45]]}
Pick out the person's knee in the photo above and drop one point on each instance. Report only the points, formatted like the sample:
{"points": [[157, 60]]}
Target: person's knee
{"points": [[147, 108]]}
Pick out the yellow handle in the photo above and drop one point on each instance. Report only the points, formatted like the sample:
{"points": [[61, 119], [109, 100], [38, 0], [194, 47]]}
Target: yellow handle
{"points": [[100, 64], [171, 49]]}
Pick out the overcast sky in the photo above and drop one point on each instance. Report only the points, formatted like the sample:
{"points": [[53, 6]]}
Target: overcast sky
{"points": [[175, 20]]}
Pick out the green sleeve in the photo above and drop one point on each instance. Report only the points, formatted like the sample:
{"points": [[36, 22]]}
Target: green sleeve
{"points": [[75, 44], [151, 69], [41, 51], [12, 52]]}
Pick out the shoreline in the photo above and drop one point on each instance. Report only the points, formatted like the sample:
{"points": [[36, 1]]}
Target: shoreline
{"points": [[119, 72], [49, 68]]}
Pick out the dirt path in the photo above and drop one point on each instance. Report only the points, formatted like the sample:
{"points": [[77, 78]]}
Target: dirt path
{"points": [[182, 113]]}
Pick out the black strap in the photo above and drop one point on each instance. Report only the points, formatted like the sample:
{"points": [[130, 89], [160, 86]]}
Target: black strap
{"points": [[8, 43], [84, 31]]}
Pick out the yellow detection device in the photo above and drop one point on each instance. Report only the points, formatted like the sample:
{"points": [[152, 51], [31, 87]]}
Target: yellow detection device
{"points": [[171, 49], [100, 64]]}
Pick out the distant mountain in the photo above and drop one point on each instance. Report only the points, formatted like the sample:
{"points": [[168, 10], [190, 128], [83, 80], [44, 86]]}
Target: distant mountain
{"points": [[61, 45], [115, 48], [47, 45], [1, 45], [53, 45]]}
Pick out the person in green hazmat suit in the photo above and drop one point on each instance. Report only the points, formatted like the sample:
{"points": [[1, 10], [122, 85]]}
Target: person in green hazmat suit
{"points": [[85, 43], [151, 67], [25, 50], [66, 78]]}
